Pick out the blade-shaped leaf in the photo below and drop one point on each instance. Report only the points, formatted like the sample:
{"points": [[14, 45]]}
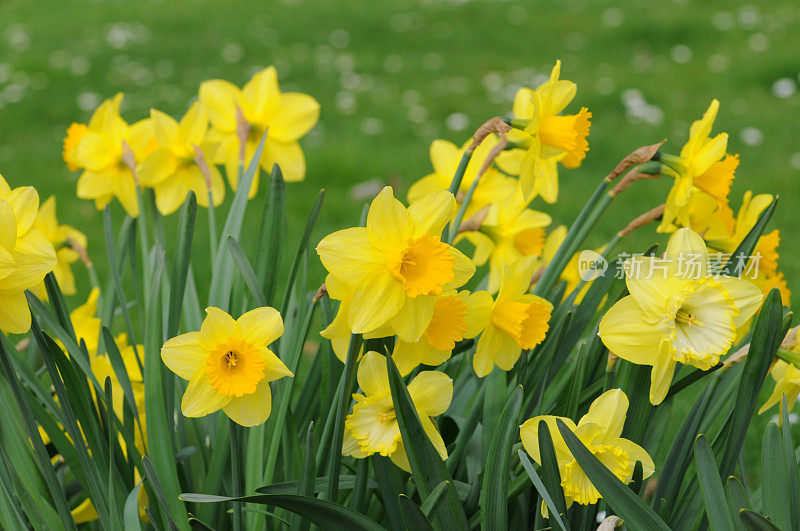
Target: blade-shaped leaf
{"points": [[776, 504], [716, 505], [540, 488], [413, 517]]}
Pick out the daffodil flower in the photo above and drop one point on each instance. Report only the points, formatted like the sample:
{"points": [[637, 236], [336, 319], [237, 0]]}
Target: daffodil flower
{"points": [[599, 430], [61, 237], [677, 312], [493, 191], [397, 263], [259, 106], [172, 170], [787, 382], [228, 365], [515, 232], [372, 426], [26, 255], [106, 150], [514, 321], [702, 165], [547, 137]]}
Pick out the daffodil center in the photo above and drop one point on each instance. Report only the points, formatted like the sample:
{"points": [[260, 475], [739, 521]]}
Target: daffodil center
{"points": [[527, 323], [235, 368], [566, 132], [424, 266], [684, 317]]}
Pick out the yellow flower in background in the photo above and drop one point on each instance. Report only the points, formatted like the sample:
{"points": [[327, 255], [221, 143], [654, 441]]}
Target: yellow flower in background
{"points": [[703, 164], [86, 323], [26, 255], [228, 365], [493, 190], [104, 153], [787, 382], [514, 321], [172, 169], [372, 426], [599, 430], [287, 115], [677, 312], [548, 137], [707, 216], [515, 232], [62, 238], [397, 263], [448, 325]]}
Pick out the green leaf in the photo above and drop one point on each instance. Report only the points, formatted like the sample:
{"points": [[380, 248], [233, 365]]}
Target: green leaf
{"points": [[540, 488], [790, 467], [766, 338], [131, 511], [427, 466], [756, 522], [308, 471], [301, 249], [431, 503], [116, 274], [273, 232], [716, 506], [155, 485], [246, 270], [494, 490], [551, 476], [180, 269], [775, 478], [740, 256], [578, 377], [413, 517], [346, 482], [737, 499], [222, 279], [495, 391], [632, 509], [327, 515]]}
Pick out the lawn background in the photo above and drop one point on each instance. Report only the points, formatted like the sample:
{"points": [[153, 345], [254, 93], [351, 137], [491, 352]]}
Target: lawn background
{"points": [[393, 76]]}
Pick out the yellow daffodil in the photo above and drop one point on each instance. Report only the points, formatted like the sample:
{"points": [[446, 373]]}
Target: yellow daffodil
{"points": [[86, 323], [258, 107], [75, 133], [174, 168], [516, 320], [106, 152], [787, 382], [448, 325], [228, 365], [702, 164], [547, 137], [493, 190], [515, 232], [372, 426], [599, 430], [26, 255], [397, 263], [707, 216], [62, 237], [677, 312]]}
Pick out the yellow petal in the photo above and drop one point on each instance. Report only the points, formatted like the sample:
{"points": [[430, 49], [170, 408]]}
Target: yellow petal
{"points": [[261, 326], [125, 191], [15, 318], [250, 410], [165, 128], [495, 347], [372, 376], [8, 235], [200, 399], [218, 97], [25, 202], [479, 312], [463, 269], [625, 332], [432, 212], [93, 184], [274, 368], [288, 155], [444, 157], [296, 116], [389, 225], [746, 296], [435, 437], [171, 193], [688, 250], [158, 166], [608, 410], [484, 246], [407, 356], [34, 257], [517, 277], [413, 318], [377, 298], [431, 392], [400, 458], [523, 104], [661, 375], [636, 453], [651, 283], [218, 327], [529, 433], [261, 92], [183, 354], [84, 512], [349, 255], [194, 124]]}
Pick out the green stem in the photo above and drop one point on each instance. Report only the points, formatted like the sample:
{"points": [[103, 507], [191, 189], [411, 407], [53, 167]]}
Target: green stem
{"points": [[455, 184], [212, 229], [236, 474], [462, 209]]}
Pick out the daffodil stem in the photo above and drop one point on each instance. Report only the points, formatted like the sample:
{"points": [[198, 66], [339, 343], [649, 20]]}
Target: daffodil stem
{"points": [[335, 459], [236, 473], [586, 220], [212, 229], [455, 184], [793, 358], [461, 210]]}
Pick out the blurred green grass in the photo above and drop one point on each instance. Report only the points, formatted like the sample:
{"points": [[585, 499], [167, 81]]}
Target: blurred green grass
{"points": [[393, 76]]}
